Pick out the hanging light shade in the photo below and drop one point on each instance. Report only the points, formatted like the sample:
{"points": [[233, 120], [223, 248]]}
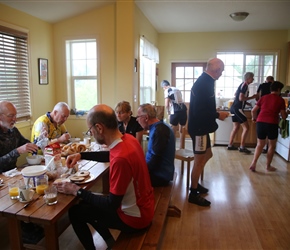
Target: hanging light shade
{"points": [[239, 16]]}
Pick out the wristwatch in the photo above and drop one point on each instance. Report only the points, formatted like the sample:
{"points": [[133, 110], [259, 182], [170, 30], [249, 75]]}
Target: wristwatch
{"points": [[79, 192]]}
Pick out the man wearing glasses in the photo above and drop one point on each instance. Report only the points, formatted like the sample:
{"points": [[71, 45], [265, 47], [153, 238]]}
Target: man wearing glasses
{"points": [[129, 207], [12, 143], [161, 146]]}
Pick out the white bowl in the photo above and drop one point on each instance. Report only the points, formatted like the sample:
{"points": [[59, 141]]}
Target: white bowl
{"points": [[34, 159]]}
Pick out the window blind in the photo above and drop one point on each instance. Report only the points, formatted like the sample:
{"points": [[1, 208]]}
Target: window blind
{"points": [[14, 76]]}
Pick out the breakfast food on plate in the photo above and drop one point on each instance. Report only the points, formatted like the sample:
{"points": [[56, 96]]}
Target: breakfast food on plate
{"points": [[75, 178], [81, 148], [73, 148], [83, 173], [61, 180]]}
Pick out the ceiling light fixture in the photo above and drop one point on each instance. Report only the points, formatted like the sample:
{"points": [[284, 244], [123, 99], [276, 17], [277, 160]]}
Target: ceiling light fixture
{"points": [[239, 16]]}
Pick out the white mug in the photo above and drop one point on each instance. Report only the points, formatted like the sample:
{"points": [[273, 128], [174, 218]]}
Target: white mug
{"points": [[25, 193]]}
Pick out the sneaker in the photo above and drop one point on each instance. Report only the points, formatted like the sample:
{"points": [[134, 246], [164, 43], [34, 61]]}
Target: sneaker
{"points": [[232, 148], [198, 200], [201, 189], [244, 150]]}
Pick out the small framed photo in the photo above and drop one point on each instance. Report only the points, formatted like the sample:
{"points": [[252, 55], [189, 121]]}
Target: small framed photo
{"points": [[43, 71]]}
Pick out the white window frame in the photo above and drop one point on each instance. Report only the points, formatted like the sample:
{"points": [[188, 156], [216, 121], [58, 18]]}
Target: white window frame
{"points": [[149, 56], [228, 83], [71, 78]]}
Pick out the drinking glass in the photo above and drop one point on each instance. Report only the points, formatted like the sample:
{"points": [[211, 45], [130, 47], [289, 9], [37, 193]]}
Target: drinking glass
{"points": [[41, 184]]}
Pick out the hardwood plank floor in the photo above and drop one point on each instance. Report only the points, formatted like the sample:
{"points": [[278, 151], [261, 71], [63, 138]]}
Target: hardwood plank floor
{"points": [[248, 211]]}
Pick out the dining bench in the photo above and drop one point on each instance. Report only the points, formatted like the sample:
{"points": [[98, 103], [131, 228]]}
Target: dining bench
{"points": [[149, 238]]}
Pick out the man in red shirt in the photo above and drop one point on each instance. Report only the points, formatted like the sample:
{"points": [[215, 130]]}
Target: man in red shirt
{"points": [[129, 207]]}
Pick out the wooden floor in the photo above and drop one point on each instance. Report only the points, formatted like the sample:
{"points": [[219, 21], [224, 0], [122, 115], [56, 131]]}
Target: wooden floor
{"points": [[248, 210]]}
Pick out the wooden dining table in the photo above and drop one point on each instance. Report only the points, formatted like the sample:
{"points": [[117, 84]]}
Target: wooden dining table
{"points": [[52, 218]]}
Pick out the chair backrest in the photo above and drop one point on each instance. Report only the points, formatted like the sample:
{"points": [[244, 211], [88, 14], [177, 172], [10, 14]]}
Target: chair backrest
{"points": [[160, 112]]}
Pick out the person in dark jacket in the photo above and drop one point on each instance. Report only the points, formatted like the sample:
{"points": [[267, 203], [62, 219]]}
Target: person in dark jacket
{"points": [[202, 122], [161, 146], [12, 143]]}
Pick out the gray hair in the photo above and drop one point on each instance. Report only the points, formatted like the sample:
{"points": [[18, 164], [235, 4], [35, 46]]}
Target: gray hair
{"points": [[248, 75], [60, 106], [148, 109]]}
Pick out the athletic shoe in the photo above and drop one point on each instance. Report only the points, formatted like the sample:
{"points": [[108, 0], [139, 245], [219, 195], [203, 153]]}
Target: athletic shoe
{"points": [[198, 200], [245, 150], [201, 189], [232, 148]]}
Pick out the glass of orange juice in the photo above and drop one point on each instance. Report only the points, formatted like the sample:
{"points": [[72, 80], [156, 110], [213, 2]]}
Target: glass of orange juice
{"points": [[13, 187], [41, 184]]}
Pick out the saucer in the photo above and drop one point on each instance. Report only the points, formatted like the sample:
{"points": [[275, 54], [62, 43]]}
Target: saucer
{"points": [[25, 201]]}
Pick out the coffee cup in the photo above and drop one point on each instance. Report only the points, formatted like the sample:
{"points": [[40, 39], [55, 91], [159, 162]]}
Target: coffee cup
{"points": [[41, 184], [25, 193], [13, 187], [50, 196]]}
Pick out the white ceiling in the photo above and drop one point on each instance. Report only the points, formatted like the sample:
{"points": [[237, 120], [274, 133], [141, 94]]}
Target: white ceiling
{"points": [[175, 15]]}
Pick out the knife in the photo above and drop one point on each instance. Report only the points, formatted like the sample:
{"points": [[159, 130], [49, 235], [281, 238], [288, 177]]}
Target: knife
{"points": [[27, 204]]}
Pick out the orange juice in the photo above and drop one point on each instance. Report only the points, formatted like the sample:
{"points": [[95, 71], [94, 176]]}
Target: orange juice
{"points": [[14, 192], [40, 188]]}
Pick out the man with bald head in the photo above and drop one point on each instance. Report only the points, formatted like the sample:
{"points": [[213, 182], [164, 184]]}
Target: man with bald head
{"points": [[129, 207], [202, 122], [12, 143]]}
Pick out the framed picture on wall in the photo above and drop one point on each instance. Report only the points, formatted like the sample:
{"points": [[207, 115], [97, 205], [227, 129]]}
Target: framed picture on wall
{"points": [[43, 71]]}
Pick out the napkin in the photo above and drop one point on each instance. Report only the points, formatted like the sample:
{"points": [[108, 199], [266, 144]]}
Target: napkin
{"points": [[12, 172]]}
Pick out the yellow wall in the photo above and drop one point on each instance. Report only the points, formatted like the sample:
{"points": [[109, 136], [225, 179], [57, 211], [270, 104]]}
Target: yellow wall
{"points": [[200, 46], [118, 28]]}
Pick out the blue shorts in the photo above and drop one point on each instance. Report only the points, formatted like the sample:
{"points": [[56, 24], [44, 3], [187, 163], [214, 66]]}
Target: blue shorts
{"points": [[200, 143], [269, 130]]}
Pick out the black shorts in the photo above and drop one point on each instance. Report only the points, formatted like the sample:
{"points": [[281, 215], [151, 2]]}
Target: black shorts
{"points": [[200, 143], [239, 116], [265, 130], [179, 117]]}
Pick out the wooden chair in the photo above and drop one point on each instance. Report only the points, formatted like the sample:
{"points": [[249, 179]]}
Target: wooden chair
{"points": [[184, 154]]}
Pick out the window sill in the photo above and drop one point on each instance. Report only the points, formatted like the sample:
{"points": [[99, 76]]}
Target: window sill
{"points": [[77, 117]]}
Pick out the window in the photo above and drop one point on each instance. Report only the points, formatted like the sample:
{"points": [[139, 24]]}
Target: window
{"points": [[82, 71], [236, 64], [14, 76], [148, 58], [184, 75]]}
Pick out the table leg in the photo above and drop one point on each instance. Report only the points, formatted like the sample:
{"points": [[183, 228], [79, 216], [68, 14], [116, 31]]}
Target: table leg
{"points": [[105, 181], [51, 237], [15, 235]]}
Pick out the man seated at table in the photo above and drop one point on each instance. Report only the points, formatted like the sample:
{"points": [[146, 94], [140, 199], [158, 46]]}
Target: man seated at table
{"points": [[51, 125], [129, 207], [12, 143], [161, 146]]}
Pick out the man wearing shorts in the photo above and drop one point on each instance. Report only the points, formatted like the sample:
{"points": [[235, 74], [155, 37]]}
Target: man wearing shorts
{"points": [[174, 106], [239, 118], [201, 122]]}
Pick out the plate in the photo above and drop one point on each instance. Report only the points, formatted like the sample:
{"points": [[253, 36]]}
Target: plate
{"points": [[33, 170], [91, 178]]}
